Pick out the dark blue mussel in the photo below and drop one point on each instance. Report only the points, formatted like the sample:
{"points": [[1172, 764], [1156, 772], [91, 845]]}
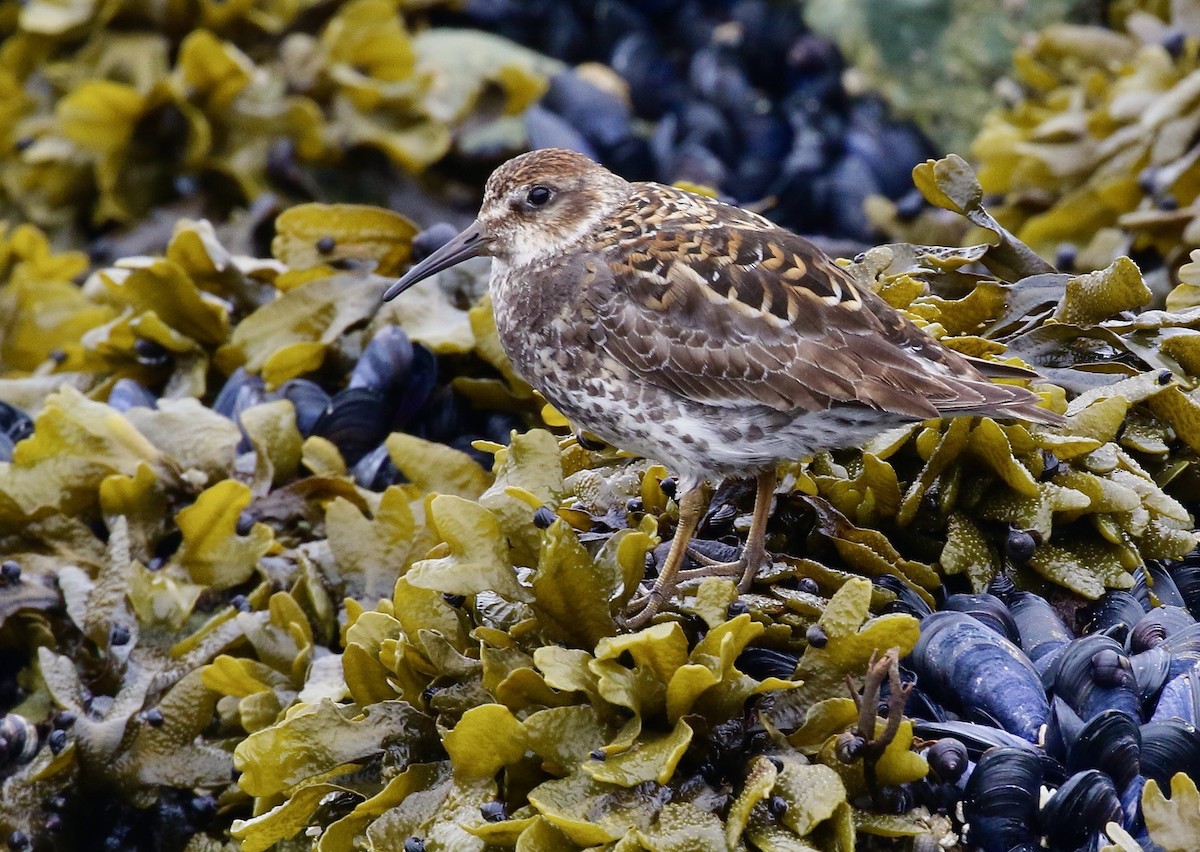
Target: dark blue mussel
{"points": [[1042, 635], [15, 426], [1079, 809], [1092, 675], [1002, 801], [309, 399], [127, 394], [973, 669]]}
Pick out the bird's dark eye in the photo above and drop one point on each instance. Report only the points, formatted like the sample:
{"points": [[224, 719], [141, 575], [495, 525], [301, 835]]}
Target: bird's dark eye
{"points": [[539, 196]]}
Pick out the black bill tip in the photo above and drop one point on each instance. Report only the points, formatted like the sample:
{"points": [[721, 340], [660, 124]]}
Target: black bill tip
{"points": [[470, 243]]}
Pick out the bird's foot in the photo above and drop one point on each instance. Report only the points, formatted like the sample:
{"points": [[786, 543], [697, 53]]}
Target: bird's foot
{"points": [[746, 568], [642, 609]]}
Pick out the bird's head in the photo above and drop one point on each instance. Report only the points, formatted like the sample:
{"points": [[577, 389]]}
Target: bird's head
{"points": [[539, 204]]}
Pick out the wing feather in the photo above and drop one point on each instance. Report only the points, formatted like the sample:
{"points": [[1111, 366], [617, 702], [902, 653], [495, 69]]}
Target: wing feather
{"points": [[723, 307]]}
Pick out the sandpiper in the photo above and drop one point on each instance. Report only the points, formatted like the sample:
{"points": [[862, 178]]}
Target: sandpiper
{"points": [[699, 335]]}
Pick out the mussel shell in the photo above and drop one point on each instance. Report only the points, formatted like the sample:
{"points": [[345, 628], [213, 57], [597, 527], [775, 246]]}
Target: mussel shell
{"points": [[241, 390], [1042, 634], [1180, 699], [907, 600], [309, 399], [762, 663], [1079, 809], [385, 362], [604, 118], [1072, 677], [1184, 648], [1153, 586], [15, 424], [1170, 746], [985, 676], [545, 129], [1157, 625], [356, 421], [1062, 729], [127, 394], [1002, 800], [375, 471], [988, 610], [1110, 742], [406, 403], [1115, 608], [1186, 575], [1150, 670], [977, 738]]}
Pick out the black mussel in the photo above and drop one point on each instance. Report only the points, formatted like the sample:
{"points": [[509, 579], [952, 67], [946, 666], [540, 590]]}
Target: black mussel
{"points": [[1002, 800], [1079, 809], [603, 117], [1180, 699], [1156, 625], [762, 663], [309, 399], [431, 239], [412, 397], [948, 759], [716, 76], [989, 610], [699, 123], [1092, 674], [1042, 633], [545, 129], [851, 183], [1170, 746], [356, 421], [15, 426], [241, 390], [613, 18], [1150, 670], [376, 471], [977, 738], [15, 423], [19, 741], [127, 394], [1062, 729], [499, 427], [1186, 575], [1153, 586], [1110, 742], [653, 81], [1113, 609], [692, 162], [985, 676], [907, 600], [385, 361], [1184, 648]]}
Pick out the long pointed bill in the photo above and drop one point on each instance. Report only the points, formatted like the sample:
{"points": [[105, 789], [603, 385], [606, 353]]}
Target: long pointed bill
{"points": [[470, 243]]}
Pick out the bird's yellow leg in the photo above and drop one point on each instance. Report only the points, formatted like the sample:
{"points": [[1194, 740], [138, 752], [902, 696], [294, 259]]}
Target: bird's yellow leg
{"points": [[756, 541], [755, 551], [641, 610]]}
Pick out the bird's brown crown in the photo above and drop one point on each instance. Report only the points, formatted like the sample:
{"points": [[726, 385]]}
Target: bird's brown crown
{"points": [[545, 202]]}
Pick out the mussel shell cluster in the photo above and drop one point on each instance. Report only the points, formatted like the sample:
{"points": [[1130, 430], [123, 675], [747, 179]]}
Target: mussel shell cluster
{"points": [[740, 96], [1013, 701], [393, 387]]}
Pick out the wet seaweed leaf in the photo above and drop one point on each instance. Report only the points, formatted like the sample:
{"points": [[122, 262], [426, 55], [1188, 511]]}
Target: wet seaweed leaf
{"points": [[1172, 822]]}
